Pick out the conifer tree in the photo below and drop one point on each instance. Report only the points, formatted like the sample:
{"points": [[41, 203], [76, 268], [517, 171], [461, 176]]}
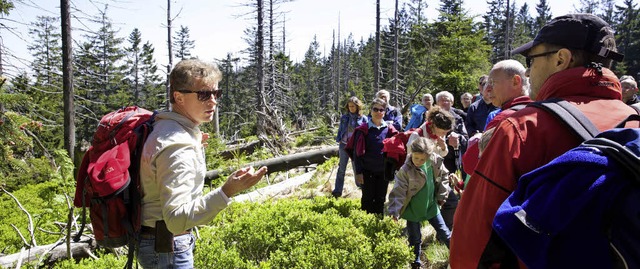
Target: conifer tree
{"points": [[588, 6], [99, 75], [142, 78], [627, 36], [46, 89], [183, 43], [462, 51], [544, 14]]}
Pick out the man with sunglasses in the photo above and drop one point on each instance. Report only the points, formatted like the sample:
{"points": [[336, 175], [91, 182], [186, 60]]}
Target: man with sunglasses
{"points": [[173, 167], [568, 59]]}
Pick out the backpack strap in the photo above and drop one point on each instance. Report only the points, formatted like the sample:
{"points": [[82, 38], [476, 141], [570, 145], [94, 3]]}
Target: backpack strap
{"points": [[618, 152], [570, 115]]}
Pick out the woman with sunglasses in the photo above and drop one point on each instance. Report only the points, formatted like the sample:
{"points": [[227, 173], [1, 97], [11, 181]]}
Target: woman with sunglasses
{"points": [[365, 148], [348, 123]]}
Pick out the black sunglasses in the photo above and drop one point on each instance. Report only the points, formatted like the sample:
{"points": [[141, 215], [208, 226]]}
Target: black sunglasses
{"points": [[204, 95], [530, 57], [375, 109]]}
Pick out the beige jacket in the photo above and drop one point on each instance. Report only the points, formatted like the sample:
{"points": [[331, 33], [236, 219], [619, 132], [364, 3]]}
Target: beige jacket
{"points": [[172, 170], [410, 179]]}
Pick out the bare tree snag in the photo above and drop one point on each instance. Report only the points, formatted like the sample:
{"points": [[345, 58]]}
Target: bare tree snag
{"points": [[67, 79]]}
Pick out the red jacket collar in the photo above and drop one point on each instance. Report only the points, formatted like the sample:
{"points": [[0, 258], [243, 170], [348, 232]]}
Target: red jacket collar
{"points": [[430, 132], [520, 100], [581, 81]]}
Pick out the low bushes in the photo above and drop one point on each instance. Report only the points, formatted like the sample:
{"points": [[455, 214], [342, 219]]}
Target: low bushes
{"points": [[290, 233]]}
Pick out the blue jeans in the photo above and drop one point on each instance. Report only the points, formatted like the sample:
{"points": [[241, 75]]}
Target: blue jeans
{"points": [[181, 258], [443, 234], [342, 168]]}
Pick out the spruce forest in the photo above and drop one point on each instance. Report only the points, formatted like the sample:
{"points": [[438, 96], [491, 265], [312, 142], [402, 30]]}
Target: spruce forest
{"points": [[45, 127]]}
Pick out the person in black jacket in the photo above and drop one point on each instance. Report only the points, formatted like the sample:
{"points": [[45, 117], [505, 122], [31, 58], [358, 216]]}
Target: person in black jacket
{"points": [[457, 144], [478, 111]]}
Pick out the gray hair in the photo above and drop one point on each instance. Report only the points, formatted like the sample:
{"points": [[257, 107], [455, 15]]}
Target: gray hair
{"points": [[511, 68], [444, 94], [381, 93], [628, 80]]}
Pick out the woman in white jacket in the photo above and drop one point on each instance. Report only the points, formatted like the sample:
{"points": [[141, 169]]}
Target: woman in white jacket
{"points": [[436, 126]]}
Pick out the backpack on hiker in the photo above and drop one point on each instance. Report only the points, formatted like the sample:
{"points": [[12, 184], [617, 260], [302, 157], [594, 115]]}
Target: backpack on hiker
{"points": [[581, 210], [108, 178], [395, 151]]}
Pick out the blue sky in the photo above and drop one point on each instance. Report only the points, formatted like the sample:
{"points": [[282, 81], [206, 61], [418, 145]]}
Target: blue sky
{"points": [[218, 26]]}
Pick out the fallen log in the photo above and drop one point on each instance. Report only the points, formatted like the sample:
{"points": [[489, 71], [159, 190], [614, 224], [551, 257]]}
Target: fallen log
{"points": [[283, 163], [247, 149], [275, 190], [294, 133], [56, 252]]}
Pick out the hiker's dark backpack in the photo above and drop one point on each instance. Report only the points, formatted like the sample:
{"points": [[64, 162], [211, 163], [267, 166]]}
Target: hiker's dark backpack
{"points": [[395, 151], [581, 210], [108, 178]]}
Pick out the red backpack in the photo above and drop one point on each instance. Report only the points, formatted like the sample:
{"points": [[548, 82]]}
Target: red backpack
{"points": [[395, 151], [108, 178]]}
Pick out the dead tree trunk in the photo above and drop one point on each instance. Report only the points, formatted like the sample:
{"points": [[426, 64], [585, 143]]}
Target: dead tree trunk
{"points": [[55, 252], [170, 51], [376, 55], [284, 163], [67, 79]]}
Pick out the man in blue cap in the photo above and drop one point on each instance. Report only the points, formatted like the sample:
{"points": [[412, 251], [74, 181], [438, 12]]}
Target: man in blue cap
{"points": [[569, 59]]}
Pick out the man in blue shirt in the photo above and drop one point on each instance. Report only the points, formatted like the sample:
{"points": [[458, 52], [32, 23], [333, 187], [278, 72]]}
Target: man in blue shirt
{"points": [[478, 112], [418, 112]]}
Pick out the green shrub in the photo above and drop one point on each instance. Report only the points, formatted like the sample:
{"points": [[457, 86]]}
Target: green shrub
{"points": [[291, 233], [45, 202], [104, 261]]}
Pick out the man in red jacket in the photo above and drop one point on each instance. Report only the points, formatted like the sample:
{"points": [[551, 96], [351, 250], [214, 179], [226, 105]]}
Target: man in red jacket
{"points": [[507, 87], [568, 59]]}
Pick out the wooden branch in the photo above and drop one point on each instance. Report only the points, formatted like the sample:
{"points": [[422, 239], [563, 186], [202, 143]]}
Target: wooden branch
{"points": [[44, 149], [51, 253], [24, 240], [30, 228], [294, 133], [406, 107], [285, 162], [70, 220]]}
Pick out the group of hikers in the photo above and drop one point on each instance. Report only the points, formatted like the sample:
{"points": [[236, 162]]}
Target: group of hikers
{"points": [[466, 161], [489, 143]]}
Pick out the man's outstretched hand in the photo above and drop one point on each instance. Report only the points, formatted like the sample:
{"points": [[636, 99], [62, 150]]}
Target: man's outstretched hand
{"points": [[242, 179]]}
